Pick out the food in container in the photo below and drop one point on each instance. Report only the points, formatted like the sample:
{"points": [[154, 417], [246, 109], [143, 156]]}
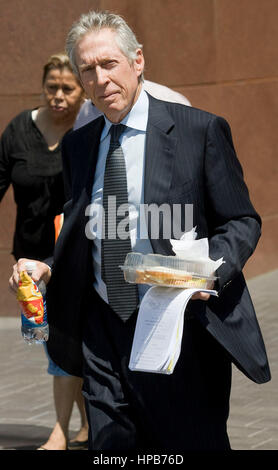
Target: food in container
{"points": [[168, 271]]}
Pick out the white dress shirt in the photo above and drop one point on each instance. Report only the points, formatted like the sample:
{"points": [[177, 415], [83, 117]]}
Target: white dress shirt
{"points": [[133, 145]]}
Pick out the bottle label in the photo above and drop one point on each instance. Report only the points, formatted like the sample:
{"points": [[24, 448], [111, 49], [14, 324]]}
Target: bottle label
{"points": [[30, 299], [30, 322]]}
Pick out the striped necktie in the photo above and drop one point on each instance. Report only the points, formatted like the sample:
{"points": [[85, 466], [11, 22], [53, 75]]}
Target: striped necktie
{"points": [[122, 297]]}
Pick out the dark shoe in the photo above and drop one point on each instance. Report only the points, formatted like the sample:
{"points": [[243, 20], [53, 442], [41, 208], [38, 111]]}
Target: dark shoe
{"points": [[78, 445]]}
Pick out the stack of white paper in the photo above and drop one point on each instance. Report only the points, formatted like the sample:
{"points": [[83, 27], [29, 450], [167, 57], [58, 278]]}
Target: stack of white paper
{"points": [[159, 328]]}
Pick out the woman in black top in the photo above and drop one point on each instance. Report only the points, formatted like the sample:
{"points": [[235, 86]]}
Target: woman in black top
{"points": [[30, 161]]}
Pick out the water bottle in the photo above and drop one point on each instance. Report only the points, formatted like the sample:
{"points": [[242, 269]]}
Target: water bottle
{"points": [[32, 332]]}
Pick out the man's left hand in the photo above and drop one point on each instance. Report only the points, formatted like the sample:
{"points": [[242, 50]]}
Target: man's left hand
{"points": [[200, 296]]}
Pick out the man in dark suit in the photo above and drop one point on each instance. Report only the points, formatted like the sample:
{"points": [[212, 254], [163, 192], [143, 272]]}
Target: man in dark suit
{"points": [[167, 153]]}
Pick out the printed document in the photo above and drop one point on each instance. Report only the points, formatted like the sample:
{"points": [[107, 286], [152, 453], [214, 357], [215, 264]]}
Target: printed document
{"points": [[159, 328]]}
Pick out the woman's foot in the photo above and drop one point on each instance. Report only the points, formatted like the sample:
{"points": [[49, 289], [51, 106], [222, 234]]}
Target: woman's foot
{"points": [[56, 441], [80, 441]]}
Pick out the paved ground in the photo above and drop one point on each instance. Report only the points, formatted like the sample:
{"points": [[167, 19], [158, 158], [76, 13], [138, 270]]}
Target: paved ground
{"points": [[26, 406]]}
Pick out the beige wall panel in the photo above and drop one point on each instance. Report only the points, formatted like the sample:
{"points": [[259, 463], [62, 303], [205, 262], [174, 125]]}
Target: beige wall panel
{"points": [[251, 110], [126, 8], [247, 36], [178, 40], [31, 31], [265, 257], [200, 96]]}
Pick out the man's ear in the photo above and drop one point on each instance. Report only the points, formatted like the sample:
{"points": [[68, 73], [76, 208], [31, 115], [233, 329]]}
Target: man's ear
{"points": [[139, 62]]}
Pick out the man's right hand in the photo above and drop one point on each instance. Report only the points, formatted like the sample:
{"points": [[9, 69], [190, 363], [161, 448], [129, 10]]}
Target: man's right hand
{"points": [[42, 272]]}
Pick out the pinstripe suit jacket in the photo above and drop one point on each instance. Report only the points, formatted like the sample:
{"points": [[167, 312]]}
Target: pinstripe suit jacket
{"points": [[190, 159]]}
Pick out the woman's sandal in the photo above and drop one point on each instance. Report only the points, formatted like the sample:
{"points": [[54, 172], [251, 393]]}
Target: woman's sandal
{"points": [[43, 448], [78, 445]]}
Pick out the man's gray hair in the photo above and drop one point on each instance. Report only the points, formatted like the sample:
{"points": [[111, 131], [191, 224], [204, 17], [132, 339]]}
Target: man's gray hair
{"points": [[95, 21]]}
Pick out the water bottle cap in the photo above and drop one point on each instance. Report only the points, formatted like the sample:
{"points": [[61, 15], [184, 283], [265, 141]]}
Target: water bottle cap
{"points": [[30, 266]]}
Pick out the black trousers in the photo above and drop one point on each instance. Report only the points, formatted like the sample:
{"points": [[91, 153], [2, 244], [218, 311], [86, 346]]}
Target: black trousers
{"points": [[127, 410]]}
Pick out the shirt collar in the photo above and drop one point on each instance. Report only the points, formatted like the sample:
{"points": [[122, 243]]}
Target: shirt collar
{"points": [[137, 117]]}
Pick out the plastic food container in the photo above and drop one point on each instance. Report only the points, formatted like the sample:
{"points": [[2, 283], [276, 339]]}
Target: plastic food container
{"points": [[168, 271]]}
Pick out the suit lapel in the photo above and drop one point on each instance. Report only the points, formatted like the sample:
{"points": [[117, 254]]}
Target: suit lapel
{"points": [[84, 166], [159, 160], [93, 149]]}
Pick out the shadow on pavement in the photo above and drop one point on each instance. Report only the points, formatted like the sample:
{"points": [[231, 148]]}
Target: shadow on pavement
{"points": [[22, 436]]}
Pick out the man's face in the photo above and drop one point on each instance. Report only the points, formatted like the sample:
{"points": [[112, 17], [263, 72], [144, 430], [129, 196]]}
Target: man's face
{"points": [[106, 75]]}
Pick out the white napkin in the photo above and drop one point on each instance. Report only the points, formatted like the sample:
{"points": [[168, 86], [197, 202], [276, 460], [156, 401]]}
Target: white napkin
{"points": [[190, 249]]}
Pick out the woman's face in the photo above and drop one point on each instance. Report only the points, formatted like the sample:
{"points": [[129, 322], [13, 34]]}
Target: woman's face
{"points": [[62, 93]]}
